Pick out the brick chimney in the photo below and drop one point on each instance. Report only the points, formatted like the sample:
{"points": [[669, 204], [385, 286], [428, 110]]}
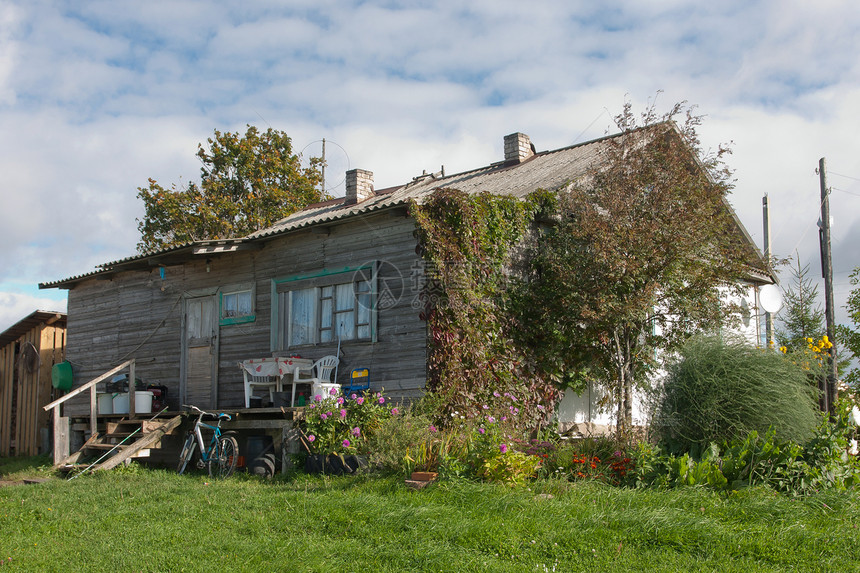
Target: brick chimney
{"points": [[518, 148], [359, 186]]}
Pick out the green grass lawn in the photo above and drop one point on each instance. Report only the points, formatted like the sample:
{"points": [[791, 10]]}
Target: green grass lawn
{"points": [[137, 519]]}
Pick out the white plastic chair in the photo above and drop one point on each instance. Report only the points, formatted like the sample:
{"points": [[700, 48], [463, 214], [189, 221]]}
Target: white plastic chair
{"points": [[264, 377], [321, 380]]}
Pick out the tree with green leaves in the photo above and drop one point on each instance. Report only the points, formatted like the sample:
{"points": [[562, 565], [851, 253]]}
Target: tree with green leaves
{"points": [[247, 182], [643, 254], [801, 316]]}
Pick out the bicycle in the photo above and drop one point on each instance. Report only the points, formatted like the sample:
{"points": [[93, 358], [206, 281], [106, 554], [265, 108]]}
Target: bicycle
{"points": [[223, 451]]}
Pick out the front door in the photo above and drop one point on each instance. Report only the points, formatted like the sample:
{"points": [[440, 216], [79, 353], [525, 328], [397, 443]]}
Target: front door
{"points": [[200, 352]]}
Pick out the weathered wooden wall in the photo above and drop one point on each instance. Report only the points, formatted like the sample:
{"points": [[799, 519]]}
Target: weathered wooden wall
{"points": [[23, 393], [137, 314]]}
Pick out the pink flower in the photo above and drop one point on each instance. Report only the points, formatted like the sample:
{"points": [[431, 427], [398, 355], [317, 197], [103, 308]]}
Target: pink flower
{"points": [[497, 395], [311, 438], [343, 413], [381, 400], [333, 391], [324, 417], [359, 400], [485, 407], [503, 448], [491, 420], [356, 431], [346, 443], [340, 399], [395, 411], [353, 396], [313, 406], [318, 398], [433, 428], [481, 431]]}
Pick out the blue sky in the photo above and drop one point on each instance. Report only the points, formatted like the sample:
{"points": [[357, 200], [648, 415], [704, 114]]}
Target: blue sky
{"points": [[98, 97]]}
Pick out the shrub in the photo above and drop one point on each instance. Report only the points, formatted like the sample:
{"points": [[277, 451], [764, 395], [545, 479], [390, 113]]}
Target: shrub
{"points": [[409, 440], [338, 424], [719, 391]]}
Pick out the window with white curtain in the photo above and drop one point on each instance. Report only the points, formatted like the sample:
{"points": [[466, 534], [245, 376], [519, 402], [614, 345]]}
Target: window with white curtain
{"points": [[323, 309], [237, 305]]}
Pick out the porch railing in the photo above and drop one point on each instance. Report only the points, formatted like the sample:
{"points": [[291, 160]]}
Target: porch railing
{"points": [[61, 430]]}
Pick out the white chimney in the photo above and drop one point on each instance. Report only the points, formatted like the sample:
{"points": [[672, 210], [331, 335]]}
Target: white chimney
{"points": [[518, 148], [359, 186]]}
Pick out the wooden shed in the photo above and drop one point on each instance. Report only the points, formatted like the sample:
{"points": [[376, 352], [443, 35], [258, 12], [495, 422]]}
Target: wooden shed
{"points": [[28, 351]]}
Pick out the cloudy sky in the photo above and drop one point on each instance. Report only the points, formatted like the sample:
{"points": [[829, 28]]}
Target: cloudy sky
{"points": [[98, 96]]}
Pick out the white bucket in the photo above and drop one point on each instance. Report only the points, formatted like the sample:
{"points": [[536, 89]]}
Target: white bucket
{"points": [[105, 402], [142, 403]]}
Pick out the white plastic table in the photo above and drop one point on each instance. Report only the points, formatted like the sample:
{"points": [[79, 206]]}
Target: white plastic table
{"points": [[271, 372]]}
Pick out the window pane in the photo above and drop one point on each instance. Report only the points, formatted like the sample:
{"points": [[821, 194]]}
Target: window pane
{"points": [[364, 331], [345, 325], [363, 310], [244, 306], [344, 297], [325, 313], [301, 317], [229, 303]]}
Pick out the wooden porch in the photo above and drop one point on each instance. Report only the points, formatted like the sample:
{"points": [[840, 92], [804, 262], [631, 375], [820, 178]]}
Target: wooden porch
{"points": [[157, 439]]}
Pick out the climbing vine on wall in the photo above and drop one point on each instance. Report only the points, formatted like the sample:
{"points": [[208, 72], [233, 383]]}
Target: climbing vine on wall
{"points": [[470, 246]]}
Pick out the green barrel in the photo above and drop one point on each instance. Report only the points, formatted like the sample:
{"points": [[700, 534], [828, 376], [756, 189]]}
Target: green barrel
{"points": [[61, 376]]}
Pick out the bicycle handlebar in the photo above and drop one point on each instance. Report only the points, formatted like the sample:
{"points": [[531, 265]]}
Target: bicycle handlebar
{"points": [[221, 415]]}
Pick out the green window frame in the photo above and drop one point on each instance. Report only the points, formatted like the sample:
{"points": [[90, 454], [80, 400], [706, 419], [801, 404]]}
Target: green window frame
{"points": [[237, 305]]}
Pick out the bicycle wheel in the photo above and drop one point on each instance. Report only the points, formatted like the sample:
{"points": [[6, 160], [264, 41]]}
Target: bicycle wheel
{"points": [[222, 463], [186, 453]]}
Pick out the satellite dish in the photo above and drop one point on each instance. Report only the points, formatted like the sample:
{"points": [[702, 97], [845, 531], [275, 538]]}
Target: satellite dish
{"points": [[770, 298]]}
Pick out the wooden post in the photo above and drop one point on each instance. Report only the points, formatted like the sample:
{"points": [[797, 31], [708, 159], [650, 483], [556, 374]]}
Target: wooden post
{"points": [[131, 390], [827, 274], [61, 436], [94, 411]]}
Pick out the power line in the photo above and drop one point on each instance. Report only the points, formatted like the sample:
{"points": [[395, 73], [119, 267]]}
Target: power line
{"points": [[844, 191], [845, 176]]}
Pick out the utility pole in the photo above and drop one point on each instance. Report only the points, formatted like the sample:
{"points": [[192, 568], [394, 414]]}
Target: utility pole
{"points": [[827, 274], [768, 317], [322, 184]]}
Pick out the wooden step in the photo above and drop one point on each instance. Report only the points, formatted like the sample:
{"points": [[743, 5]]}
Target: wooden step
{"points": [[101, 446], [144, 438]]}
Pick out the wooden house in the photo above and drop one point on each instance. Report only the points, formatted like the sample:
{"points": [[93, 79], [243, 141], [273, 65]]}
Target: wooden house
{"points": [[28, 351], [336, 278]]}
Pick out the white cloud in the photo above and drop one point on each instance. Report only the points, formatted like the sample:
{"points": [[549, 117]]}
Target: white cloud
{"points": [[98, 96], [15, 306]]}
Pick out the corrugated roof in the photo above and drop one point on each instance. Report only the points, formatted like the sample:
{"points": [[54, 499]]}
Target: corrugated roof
{"points": [[547, 170]]}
